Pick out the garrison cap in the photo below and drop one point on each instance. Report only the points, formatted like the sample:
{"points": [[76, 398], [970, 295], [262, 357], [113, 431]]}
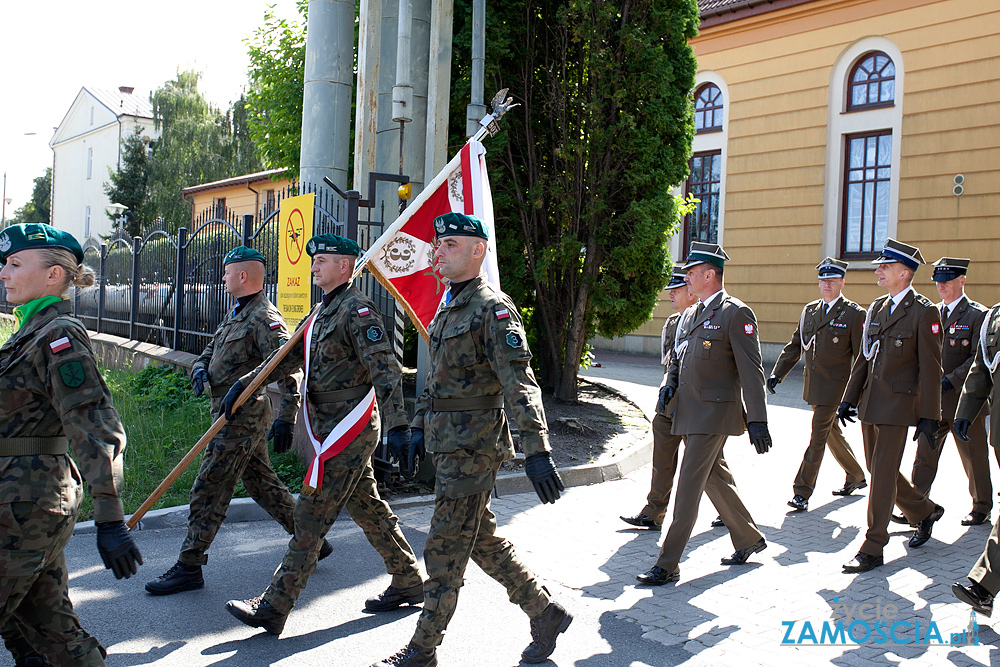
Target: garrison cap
{"points": [[331, 244], [897, 251], [37, 235], [705, 252], [949, 268], [242, 253], [677, 279], [832, 268], [459, 224]]}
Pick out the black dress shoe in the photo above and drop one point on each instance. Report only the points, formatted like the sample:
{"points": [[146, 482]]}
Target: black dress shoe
{"points": [[718, 522], [641, 521], [799, 503], [657, 576], [898, 518], [394, 598], [923, 531], [975, 595], [742, 555], [850, 487], [863, 563], [975, 518]]}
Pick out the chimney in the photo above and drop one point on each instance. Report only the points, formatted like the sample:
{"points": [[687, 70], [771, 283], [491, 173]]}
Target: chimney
{"points": [[125, 90]]}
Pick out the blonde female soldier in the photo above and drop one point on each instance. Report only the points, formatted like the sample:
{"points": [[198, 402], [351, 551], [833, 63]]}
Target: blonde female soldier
{"points": [[52, 397]]}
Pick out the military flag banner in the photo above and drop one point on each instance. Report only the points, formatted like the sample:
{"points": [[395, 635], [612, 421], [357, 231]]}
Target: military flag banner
{"points": [[402, 259]]}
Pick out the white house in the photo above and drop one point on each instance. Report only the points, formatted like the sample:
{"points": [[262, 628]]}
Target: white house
{"points": [[85, 146]]}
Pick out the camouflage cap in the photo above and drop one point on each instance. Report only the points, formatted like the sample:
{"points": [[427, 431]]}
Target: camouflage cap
{"points": [[331, 244], [37, 235], [459, 224], [242, 253]]}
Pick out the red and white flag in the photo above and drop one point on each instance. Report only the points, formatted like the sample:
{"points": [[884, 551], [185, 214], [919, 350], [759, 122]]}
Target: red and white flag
{"points": [[402, 257]]}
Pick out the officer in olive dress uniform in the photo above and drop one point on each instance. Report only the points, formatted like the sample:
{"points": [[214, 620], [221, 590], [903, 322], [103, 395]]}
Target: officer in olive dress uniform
{"points": [[249, 334], [961, 320], [52, 398], [900, 358], [829, 334], [665, 443], [351, 374], [714, 389], [979, 388], [478, 360]]}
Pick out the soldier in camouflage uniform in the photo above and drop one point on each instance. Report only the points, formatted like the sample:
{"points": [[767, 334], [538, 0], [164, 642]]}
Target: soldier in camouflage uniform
{"points": [[348, 353], [52, 396], [478, 359], [248, 335]]}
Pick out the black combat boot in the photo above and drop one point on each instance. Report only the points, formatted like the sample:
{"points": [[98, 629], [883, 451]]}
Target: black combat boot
{"points": [[394, 598], [32, 660], [179, 578], [325, 550], [544, 630], [258, 613], [411, 655]]}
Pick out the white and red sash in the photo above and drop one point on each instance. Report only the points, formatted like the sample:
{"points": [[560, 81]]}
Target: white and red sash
{"points": [[343, 434]]}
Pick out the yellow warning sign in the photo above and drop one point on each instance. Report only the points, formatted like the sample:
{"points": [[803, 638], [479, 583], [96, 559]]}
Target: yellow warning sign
{"points": [[295, 219]]}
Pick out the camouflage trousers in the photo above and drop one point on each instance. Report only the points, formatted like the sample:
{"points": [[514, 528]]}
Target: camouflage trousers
{"points": [[238, 452], [36, 615], [464, 528], [355, 489]]}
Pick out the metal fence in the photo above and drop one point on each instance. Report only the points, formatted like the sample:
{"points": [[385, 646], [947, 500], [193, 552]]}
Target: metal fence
{"points": [[167, 289]]}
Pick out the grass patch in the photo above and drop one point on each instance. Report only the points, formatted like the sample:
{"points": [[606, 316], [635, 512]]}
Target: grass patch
{"points": [[6, 329]]}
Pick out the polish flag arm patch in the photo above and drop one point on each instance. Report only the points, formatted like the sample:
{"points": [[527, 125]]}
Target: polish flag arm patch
{"points": [[274, 325], [502, 314], [61, 345], [748, 328], [936, 328], [364, 311]]}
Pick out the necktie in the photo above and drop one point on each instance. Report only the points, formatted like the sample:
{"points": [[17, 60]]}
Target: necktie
{"points": [[946, 313]]}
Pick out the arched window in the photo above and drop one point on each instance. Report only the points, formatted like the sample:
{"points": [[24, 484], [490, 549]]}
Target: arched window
{"points": [[872, 83], [708, 109]]}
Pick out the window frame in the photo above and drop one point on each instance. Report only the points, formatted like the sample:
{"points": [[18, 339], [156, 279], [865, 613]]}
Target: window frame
{"points": [[849, 93], [716, 155], [845, 192], [717, 111]]}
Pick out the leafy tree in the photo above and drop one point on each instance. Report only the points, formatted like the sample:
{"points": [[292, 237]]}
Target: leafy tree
{"points": [[36, 209], [584, 208], [274, 102], [129, 185]]}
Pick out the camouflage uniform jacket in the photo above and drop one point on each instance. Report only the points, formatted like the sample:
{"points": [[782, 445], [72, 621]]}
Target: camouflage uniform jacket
{"points": [[349, 349], [50, 387], [240, 343], [478, 348]]}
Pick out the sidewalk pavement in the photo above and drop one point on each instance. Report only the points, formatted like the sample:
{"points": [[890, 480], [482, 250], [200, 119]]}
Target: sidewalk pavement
{"points": [[716, 615]]}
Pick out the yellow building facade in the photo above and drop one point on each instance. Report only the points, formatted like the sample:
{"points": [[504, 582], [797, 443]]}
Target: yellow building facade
{"points": [[834, 124], [230, 199]]}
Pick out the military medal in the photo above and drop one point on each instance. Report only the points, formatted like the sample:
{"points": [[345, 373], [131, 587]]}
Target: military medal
{"points": [[952, 341], [707, 344], [965, 343], [836, 340], [899, 342]]}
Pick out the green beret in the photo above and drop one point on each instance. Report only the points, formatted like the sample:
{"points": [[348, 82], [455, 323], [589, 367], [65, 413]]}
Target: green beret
{"points": [[331, 244], [459, 224], [37, 235], [242, 253]]}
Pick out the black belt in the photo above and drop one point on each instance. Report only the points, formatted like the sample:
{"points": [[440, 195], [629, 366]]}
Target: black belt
{"points": [[338, 396], [463, 404], [219, 392], [34, 446]]}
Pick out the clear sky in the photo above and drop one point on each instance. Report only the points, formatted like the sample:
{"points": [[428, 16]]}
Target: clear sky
{"points": [[52, 48]]}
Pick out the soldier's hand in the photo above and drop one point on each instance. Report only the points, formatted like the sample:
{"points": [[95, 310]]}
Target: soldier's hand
{"points": [[773, 382], [666, 393], [542, 473], [399, 440], [961, 429], [416, 452], [281, 433], [845, 412], [117, 548], [946, 384], [760, 437], [231, 396], [929, 429], [199, 378]]}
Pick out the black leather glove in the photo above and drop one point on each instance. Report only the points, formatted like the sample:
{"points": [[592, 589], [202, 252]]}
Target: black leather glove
{"points": [[542, 473], [773, 382], [281, 434], [416, 452], [198, 380], [946, 384], [845, 412], [961, 429], [666, 393], [117, 548], [231, 396], [399, 440], [929, 428], [760, 437]]}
